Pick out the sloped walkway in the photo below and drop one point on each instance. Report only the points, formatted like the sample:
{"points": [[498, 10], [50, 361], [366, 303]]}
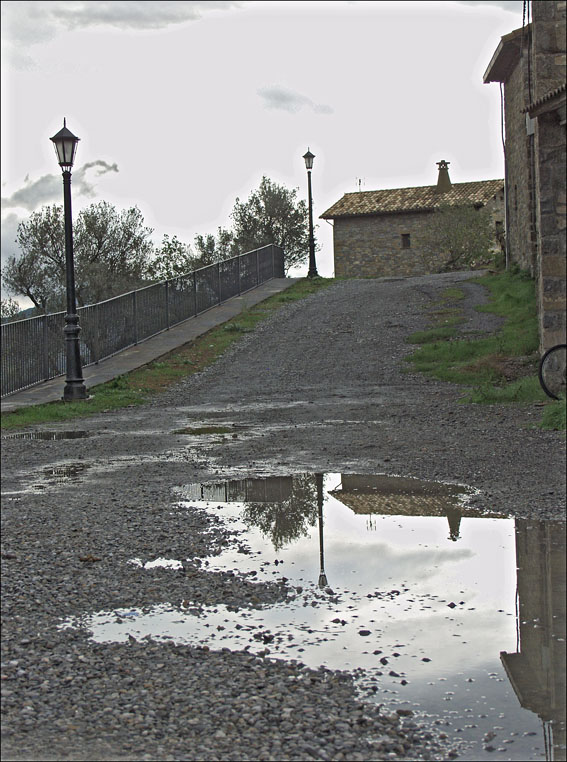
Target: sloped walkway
{"points": [[149, 350]]}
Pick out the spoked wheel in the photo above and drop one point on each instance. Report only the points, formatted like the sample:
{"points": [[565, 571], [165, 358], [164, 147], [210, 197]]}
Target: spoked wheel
{"points": [[552, 371]]}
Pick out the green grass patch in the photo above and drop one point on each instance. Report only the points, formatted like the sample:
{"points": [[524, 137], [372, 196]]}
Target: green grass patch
{"points": [[453, 294], [501, 368], [444, 330], [554, 416], [139, 386]]}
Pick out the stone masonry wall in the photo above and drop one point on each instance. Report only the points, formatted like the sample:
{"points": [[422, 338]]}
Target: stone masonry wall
{"points": [[549, 56], [549, 50], [371, 247], [552, 300], [522, 233]]}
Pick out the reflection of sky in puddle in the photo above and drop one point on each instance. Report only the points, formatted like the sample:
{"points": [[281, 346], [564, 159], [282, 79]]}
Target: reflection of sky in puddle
{"points": [[424, 616]]}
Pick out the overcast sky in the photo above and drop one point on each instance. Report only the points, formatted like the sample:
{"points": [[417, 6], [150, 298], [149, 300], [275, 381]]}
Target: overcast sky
{"points": [[182, 106]]}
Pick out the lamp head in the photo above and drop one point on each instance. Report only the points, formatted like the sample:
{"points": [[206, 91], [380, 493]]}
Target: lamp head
{"points": [[309, 159], [65, 147]]}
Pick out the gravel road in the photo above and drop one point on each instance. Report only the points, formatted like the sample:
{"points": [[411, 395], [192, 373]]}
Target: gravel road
{"points": [[317, 387]]}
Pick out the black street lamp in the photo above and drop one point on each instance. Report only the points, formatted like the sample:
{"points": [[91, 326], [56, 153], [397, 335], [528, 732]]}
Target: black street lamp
{"points": [[75, 389], [312, 266]]}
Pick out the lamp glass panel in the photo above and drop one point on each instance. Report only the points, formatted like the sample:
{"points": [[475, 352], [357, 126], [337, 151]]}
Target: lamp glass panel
{"points": [[66, 151]]}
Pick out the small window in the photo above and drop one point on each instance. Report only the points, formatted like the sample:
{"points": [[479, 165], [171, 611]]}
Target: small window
{"points": [[406, 241]]}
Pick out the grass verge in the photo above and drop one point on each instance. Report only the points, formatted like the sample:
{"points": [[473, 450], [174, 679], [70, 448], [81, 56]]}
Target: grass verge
{"points": [[140, 385], [501, 368]]}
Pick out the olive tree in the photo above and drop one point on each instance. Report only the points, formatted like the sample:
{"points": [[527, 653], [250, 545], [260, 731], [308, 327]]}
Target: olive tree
{"points": [[458, 238], [111, 253], [273, 214]]}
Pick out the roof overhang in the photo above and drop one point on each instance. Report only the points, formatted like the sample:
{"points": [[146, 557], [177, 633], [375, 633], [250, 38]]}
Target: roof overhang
{"points": [[506, 56], [377, 213]]}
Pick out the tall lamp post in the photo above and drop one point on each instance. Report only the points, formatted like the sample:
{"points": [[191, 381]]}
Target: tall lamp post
{"points": [[66, 147], [312, 266]]}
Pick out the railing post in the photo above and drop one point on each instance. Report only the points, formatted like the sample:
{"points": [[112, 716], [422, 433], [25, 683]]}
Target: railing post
{"points": [[45, 348], [195, 290], [219, 281], [167, 304], [273, 264], [239, 286], [257, 267], [96, 348], [135, 316]]}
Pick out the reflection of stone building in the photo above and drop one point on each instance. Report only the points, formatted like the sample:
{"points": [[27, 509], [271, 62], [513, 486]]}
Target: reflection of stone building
{"points": [[398, 496], [270, 490], [537, 670]]}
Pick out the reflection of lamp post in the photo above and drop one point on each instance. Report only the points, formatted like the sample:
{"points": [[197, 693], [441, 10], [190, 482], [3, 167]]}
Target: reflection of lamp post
{"points": [[322, 576], [66, 147], [312, 266]]}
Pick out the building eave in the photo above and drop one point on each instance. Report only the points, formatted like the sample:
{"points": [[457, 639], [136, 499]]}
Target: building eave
{"points": [[506, 56]]}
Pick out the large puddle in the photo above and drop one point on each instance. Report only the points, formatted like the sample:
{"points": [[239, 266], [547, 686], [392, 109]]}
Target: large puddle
{"points": [[456, 617]]}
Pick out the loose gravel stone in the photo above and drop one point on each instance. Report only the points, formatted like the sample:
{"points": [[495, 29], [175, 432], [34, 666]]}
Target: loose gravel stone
{"points": [[318, 387]]}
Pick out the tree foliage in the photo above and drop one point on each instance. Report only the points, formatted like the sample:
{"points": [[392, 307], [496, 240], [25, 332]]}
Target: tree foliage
{"points": [[111, 254], [9, 309], [172, 259], [113, 251], [458, 238], [272, 214], [211, 249], [289, 519]]}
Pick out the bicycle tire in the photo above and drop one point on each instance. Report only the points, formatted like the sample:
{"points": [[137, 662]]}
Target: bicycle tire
{"points": [[552, 371]]}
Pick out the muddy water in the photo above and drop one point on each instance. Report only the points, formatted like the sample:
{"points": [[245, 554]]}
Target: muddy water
{"points": [[456, 617]]}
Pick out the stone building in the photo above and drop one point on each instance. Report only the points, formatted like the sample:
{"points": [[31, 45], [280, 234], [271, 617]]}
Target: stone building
{"points": [[377, 233], [529, 63]]}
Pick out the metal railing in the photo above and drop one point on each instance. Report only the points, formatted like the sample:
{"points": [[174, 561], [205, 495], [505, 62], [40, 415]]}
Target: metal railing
{"points": [[33, 350]]}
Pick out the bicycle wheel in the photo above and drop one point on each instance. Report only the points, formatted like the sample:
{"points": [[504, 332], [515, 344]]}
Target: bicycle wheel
{"points": [[552, 371]]}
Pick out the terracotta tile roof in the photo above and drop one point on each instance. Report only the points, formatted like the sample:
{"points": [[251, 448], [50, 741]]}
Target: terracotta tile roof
{"points": [[421, 199]]}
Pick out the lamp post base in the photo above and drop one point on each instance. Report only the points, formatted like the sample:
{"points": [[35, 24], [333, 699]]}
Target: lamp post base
{"points": [[75, 388], [75, 392]]}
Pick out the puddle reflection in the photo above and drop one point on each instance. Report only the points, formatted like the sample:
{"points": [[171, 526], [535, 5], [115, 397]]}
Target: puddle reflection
{"points": [[401, 583], [69, 472], [48, 436]]}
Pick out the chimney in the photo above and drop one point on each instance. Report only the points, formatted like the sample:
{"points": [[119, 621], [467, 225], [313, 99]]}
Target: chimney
{"points": [[443, 181]]}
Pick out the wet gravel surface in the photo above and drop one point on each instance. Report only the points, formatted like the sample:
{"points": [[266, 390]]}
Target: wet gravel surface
{"points": [[318, 387]]}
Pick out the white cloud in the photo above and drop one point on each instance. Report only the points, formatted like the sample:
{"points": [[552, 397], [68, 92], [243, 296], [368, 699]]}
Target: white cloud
{"points": [[47, 188], [278, 97], [143, 14], [27, 23], [10, 224], [514, 6]]}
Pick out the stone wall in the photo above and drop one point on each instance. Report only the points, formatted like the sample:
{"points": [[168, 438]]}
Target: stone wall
{"points": [[549, 54], [551, 209], [372, 246], [522, 232], [550, 150]]}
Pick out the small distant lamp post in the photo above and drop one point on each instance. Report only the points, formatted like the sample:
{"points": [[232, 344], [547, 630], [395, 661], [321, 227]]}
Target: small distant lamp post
{"points": [[312, 266], [66, 147]]}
